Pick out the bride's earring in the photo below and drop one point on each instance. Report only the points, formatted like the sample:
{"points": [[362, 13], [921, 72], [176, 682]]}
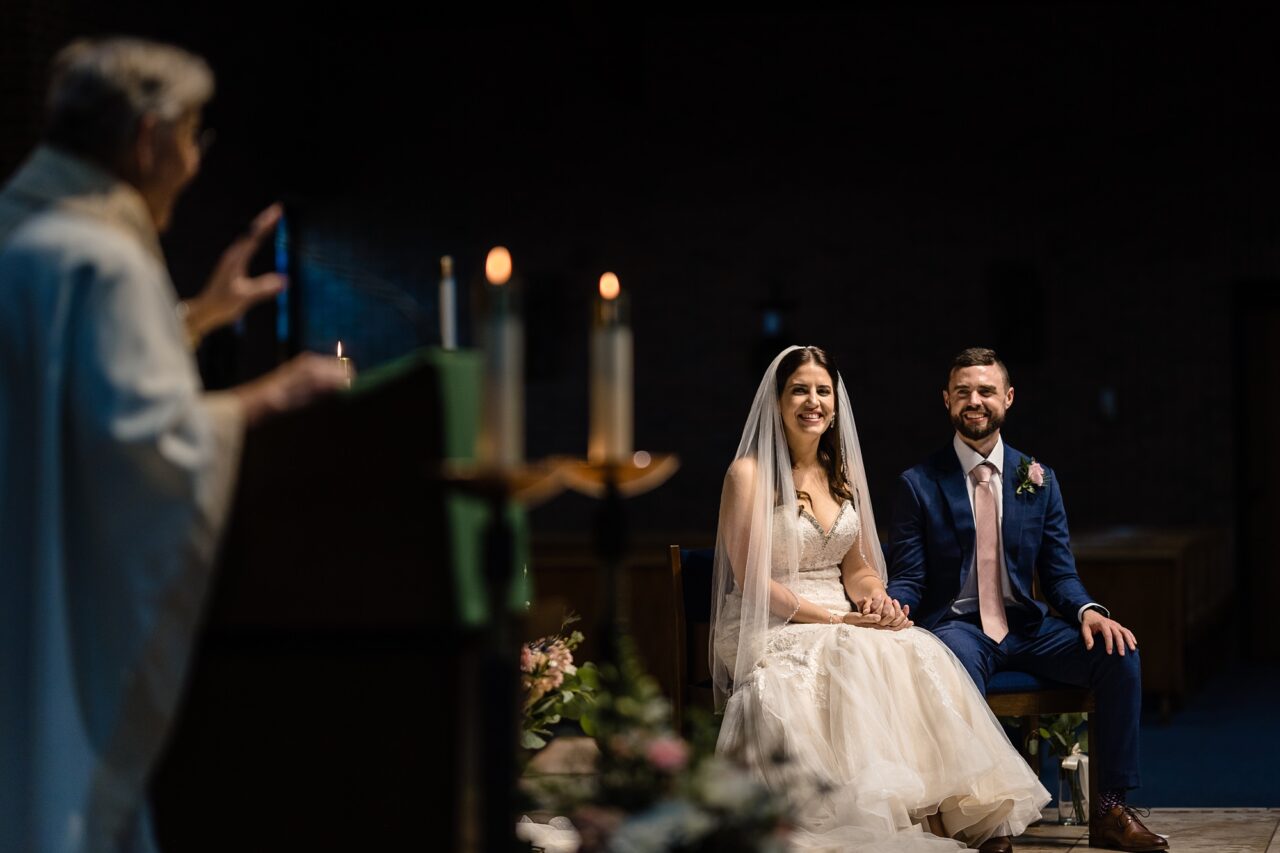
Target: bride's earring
{"points": [[833, 423]]}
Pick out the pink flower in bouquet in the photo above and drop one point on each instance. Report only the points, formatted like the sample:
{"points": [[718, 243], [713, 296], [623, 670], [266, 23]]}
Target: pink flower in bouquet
{"points": [[560, 658], [1035, 474], [667, 754], [526, 659]]}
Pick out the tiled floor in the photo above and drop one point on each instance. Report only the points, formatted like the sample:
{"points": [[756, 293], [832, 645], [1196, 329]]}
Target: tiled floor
{"points": [[1244, 830], [1189, 831]]}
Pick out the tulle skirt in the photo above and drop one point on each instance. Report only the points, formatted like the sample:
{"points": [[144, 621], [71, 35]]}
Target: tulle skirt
{"points": [[870, 731]]}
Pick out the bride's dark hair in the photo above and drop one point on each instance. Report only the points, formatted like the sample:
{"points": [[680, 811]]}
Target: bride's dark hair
{"points": [[829, 456]]}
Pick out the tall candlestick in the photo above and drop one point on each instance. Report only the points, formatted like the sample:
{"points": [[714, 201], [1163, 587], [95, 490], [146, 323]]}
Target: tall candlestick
{"points": [[448, 305], [502, 432], [612, 372]]}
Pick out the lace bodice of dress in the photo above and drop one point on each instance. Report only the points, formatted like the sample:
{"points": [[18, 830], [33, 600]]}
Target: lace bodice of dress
{"points": [[820, 552]]}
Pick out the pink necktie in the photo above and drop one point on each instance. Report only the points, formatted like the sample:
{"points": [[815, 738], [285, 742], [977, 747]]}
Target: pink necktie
{"points": [[990, 598]]}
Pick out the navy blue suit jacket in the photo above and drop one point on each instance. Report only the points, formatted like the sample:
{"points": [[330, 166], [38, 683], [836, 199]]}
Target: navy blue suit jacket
{"points": [[931, 541]]}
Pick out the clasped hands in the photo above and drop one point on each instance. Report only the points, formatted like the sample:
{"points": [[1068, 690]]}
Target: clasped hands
{"points": [[880, 611]]}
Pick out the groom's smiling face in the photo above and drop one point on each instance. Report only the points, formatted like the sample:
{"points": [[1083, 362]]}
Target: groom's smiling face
{"points": [[977, 398]]}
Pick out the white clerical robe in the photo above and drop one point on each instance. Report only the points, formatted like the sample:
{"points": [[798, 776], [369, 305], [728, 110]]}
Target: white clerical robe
{"points": [[116, 472]]}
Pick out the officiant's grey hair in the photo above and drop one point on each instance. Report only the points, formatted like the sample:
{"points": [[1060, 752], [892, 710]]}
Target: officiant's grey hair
{"points": [[100, 89]]}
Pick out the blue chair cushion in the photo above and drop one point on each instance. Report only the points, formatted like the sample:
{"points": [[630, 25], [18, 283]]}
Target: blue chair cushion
{"points": [[1012, 681]]}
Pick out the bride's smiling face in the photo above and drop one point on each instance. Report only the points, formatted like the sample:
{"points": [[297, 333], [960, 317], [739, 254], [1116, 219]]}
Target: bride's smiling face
{"points": [[808, 403]]}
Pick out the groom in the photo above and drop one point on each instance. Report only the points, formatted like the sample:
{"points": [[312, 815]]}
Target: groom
{"points": [[971, 526]]}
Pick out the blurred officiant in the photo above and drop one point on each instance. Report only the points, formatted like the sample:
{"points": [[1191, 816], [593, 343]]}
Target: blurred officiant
{"points": [[117, 467]]}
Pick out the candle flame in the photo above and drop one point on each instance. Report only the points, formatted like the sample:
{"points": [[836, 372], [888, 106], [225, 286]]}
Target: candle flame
{"points": [[497, 266], [609, 286], [339, 349]]}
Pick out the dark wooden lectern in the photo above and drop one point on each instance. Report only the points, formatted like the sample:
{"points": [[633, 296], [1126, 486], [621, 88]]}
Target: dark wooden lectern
{"points": [[322, 711]]}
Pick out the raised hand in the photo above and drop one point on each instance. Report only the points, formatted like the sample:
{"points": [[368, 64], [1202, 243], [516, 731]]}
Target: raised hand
{"points": [[230, 292], [1114, 635]]}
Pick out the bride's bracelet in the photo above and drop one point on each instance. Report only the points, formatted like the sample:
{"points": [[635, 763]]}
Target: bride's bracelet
{"points": [[793, 612], [834, 618]]}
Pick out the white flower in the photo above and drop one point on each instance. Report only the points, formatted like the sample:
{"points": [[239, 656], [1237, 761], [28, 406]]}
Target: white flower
{"points": [[558, 836], [724, 786]]}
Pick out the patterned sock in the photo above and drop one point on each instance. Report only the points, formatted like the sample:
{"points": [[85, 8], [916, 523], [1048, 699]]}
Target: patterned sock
{"points": [[1109, 799]]}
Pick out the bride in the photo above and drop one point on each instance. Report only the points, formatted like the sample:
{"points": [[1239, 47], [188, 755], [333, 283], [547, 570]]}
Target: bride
{"points": [[878, 714]]}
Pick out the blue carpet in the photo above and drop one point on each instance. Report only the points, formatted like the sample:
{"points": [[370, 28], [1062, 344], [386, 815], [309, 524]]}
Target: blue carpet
{"points": [[1221, 750]]}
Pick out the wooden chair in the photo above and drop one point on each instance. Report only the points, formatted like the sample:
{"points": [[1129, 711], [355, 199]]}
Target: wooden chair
{"points": [[691, 594], [1009, 694], [1019, 694]]}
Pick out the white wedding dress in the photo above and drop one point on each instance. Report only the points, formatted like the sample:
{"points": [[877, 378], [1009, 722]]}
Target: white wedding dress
{"points": [[879, 728]]}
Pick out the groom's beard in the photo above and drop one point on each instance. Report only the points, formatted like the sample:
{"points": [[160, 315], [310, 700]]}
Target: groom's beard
{"points": [[975, 433]]}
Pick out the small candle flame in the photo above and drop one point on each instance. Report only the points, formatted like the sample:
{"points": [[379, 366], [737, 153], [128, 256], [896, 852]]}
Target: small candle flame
{"points": [[339, 349], [497, 266], [609, 286]]}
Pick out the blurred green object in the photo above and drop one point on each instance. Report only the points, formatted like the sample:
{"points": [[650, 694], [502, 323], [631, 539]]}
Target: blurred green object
{"points": [[461, 398], [1062, 731]]}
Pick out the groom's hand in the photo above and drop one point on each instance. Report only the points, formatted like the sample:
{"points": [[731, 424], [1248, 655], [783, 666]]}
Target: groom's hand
{"points": [[893, 615], [1114, 635]]}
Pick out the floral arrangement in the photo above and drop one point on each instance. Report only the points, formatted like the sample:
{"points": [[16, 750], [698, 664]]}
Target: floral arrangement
{"points": [[656, 790], [1062, 731], [555, 688], [1068, 744]]}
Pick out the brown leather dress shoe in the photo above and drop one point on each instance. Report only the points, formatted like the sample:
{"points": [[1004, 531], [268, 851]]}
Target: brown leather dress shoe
{"points": [[998, 844], [1120, 829]]}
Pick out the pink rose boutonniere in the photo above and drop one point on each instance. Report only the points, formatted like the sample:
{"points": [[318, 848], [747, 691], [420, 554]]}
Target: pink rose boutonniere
{"points": [[1030, 476]]}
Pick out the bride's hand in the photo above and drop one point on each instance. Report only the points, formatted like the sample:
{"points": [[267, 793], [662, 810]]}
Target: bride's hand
{"points": [[893, 616], [868, 620]]}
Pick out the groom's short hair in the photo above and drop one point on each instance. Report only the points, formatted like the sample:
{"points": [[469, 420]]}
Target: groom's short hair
{"points": [[978, 356]]}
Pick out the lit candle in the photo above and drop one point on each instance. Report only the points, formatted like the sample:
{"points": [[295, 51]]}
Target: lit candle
{"points": [[502, 432], [345, 363], [448, 305], [610, 438]]}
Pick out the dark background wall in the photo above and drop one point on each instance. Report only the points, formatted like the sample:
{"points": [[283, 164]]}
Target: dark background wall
{"points": [[1079, 186]]}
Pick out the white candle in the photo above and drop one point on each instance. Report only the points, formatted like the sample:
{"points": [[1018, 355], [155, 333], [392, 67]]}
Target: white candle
{"points": [[610, 439], [345, 363], [502, 432], [448, 305]]}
